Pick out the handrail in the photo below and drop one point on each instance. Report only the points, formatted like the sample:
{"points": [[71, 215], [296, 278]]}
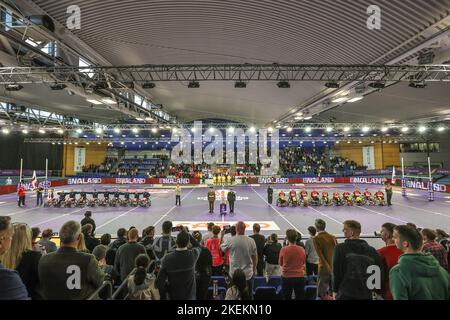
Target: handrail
{"points": [[125, 281], [107, 284]]}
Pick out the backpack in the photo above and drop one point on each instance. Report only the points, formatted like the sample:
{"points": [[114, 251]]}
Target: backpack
{"points": [[356, 275]]}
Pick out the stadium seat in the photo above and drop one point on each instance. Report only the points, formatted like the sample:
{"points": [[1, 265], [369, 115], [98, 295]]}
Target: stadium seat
{"points": [[266, 293], [221, 282], [310, 292], [221, 291], [312, 280], [275, 281], [259, 282]]}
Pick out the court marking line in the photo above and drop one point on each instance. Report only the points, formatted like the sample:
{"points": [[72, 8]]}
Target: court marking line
{"points": [[54, 218], [271, 206], [21, 211], [326, 215], [165, 215], [425, 210]]}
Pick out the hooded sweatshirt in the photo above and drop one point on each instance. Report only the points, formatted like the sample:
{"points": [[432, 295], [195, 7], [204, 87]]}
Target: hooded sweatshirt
{"points": [[351, 260], [418, 276]]}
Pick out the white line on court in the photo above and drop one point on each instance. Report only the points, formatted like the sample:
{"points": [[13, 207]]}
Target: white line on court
{"points": [[165, 215], [326, 215], [54, 218], [433, 212], [21, 211], [278, 212]]}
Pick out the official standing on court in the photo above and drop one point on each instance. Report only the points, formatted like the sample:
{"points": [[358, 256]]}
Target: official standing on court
{"points": [[388, 190], [269, 194], [211, 199], [21, 193], [178, 195], [39, 192], [231, 197]]}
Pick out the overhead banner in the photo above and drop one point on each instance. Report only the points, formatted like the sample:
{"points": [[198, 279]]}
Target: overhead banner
{"points": [[79, 159], [369, 157]]}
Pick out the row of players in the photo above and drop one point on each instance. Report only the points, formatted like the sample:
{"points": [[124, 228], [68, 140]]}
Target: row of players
{"points": [[302, 198], [80, 198]]}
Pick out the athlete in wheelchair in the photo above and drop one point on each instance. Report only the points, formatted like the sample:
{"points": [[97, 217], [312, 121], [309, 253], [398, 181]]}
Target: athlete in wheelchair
{"points": [[105, 200], [347, 198], [71, 200], [82, 200], [326, 200], [358, 198], [293, 201], [51, 200], [145, 201], [379, 198], [281, 201], [115, 201], [92, 202], [368, 198], [134, 202], [337, 200], [125, 202], [315, 198], [304, 199]]}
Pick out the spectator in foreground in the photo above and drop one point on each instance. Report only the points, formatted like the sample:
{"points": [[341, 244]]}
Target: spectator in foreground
{"points": [[243, 254], [442, 238], [260, 241], [389, 257], [46, 242], [292, 261], [213, 245], [127, 253], [141, 284], [238, 289], [431, 246], [417, 276], [105, 239], [177, 271], [121, 239], [22, 258], [209, 233], [271, 252], [351, 261], [203, 269], [312, 259], [69, 274], [11, 285], [324, 243], [35, 232], [166, 243], [99, 253], [90, 241]]}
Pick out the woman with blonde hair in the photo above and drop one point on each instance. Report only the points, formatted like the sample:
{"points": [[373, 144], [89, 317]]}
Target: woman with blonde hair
{"points": [[82, 244], [23, 259]]}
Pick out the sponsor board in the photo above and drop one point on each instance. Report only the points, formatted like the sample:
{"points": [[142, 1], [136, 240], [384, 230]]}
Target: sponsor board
{"points": [[272, 180], [202, 225], [72, 181], [423, 185], [30, 186], [319, 180], [174, 181], [131, 180], [367, 180]]}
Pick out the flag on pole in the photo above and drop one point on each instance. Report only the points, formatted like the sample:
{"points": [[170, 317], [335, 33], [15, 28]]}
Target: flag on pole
{"points": [[34, 180], [394, 176]]}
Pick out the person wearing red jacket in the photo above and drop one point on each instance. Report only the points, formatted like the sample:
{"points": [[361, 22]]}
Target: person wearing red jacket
{"points": [[21, 194]]}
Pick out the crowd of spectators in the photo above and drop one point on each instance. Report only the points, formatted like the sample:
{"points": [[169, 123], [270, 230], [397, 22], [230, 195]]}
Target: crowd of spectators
{"points": [[104, 167], [413, 263], [295, 160]]}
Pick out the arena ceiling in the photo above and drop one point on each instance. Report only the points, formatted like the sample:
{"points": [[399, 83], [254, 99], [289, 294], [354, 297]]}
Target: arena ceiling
{"points": [[134, 32]]}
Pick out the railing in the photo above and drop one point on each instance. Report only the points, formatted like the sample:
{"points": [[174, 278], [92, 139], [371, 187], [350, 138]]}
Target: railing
{"points": [[105, 284], [125, 282]]}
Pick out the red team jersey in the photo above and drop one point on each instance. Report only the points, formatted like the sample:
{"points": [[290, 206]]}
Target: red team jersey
{"points": [[314, 194]]}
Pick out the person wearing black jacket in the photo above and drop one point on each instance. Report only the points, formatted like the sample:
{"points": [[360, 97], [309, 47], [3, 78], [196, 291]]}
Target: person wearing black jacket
{"points": [[260, 241], [203, 269], [88, 219], [351, 262], [269, 194], [231, 197], [271, 253], [177, 273], [39, 191], [90, 241], [121, 239]]}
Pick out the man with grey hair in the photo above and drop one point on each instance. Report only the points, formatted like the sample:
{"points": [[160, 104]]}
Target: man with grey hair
{"points": [[243, 253], [68, 274]]}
